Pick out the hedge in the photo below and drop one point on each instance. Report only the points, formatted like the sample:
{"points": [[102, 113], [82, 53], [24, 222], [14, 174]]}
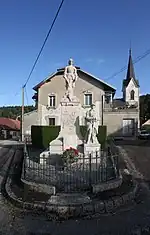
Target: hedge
{"points": [[146, 127], [43, 135]]}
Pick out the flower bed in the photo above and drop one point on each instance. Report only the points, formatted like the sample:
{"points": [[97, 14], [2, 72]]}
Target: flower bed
{"points": [[70, 156]]}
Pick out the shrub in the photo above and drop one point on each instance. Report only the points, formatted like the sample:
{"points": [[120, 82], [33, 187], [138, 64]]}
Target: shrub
{"points": [[43, 135], [102, 135], [146, 127]]}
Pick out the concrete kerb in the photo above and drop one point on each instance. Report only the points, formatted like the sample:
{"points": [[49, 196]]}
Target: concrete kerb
{"points": [[108, 185], [48, 189], [51, 190], [69, 211]]}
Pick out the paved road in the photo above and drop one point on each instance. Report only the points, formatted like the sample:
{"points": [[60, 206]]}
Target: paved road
{"points": [[13, 221]]}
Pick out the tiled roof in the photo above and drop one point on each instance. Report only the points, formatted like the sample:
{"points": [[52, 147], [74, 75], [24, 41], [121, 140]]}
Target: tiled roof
{"points": [[10, 123], [118, 103]]}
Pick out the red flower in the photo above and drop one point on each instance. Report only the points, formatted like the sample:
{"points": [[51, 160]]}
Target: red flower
{"points": [[76, 151]]}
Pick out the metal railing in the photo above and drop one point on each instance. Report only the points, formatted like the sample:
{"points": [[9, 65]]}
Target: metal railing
{"points": [[88, 170]]}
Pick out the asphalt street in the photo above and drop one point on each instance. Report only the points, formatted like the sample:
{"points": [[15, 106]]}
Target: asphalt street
{"points": [[128, 220]]}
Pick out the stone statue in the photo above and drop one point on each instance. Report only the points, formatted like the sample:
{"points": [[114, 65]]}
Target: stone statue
{"points": [[70, 75], [91, 125]]}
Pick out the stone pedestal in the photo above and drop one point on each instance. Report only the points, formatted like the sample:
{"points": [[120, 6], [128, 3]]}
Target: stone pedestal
{"points": [[69, 135], [92, 148], [56, 146]]}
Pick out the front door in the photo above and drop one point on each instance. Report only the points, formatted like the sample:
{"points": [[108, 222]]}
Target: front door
{"points": [[128, 127]]}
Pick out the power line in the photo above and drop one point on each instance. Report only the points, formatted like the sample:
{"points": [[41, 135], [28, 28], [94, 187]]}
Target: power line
{"points": [[138, 58], [51, 27]]}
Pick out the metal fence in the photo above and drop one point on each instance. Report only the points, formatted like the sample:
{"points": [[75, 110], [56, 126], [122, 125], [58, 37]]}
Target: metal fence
{"points": [[27, 139], [78, 176]]}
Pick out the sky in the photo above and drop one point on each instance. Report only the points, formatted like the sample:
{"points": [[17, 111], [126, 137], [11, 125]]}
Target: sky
{"points": [[96, 33]]}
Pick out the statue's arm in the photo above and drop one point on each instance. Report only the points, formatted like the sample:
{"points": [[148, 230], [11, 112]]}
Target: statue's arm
{"points": [[65, 73]]}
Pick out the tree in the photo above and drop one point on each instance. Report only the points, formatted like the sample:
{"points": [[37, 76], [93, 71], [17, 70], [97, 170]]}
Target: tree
{"points": [[144, 108], [14, 111]]}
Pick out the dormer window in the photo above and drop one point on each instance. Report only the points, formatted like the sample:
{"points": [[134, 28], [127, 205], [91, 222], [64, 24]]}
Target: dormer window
{"points": [[132, 95], [52, 100]]}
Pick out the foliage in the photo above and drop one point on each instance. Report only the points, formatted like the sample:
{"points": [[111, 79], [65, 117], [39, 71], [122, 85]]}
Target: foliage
{"points": [[102, 135], [14, 111], [144, 108], [43, 135], [146, 127], [70, 155], [83, 130]]}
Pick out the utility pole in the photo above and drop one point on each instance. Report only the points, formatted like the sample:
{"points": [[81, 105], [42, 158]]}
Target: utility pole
{"points": [[22, 116], [102, 123]]}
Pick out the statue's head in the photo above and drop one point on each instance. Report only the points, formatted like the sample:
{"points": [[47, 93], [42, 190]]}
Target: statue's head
{"points": [[70, 62]]}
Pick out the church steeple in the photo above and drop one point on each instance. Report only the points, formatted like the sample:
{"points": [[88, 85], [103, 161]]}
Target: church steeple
{"points": [[130, 86], [130, 71]]}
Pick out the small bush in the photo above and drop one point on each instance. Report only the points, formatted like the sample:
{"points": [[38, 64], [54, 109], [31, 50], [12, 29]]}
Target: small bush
{"points": [[43, 135], [102, 135], [146, 127]]}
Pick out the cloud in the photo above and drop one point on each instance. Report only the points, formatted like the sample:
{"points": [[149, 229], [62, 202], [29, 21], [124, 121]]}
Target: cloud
{"points": [[89, 60], [100, 61]]}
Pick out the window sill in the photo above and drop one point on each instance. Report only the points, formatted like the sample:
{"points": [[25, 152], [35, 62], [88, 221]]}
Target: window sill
{"points": [[50, 107], [86, 106]]}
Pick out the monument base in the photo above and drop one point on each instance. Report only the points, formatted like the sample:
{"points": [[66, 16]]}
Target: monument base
{"points": [[92, 148], [56, 146]]}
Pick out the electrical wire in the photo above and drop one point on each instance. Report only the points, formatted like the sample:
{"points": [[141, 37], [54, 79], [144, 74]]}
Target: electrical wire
{"points": [[47, 36], [146, 53], [138, 58]]}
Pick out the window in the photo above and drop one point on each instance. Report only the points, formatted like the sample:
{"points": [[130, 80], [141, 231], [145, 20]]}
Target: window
{"points": [[52, 100], [14, 134], [88, 99], [107, 98], [51, 121], [132, 95]]}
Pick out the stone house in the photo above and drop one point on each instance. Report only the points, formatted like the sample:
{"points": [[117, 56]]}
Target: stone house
{"points": [[121, 116], [9, 128]]}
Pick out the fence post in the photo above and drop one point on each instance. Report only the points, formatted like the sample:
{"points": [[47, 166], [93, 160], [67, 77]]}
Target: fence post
{"points": [[24, 160], [90, 171]]}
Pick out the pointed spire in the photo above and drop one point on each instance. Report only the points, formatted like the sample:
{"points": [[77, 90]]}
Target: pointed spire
{"points": [[130, 71], [130, 52]]}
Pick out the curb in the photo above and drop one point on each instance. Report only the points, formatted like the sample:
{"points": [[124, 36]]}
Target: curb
{"points": [[69, 211]]}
